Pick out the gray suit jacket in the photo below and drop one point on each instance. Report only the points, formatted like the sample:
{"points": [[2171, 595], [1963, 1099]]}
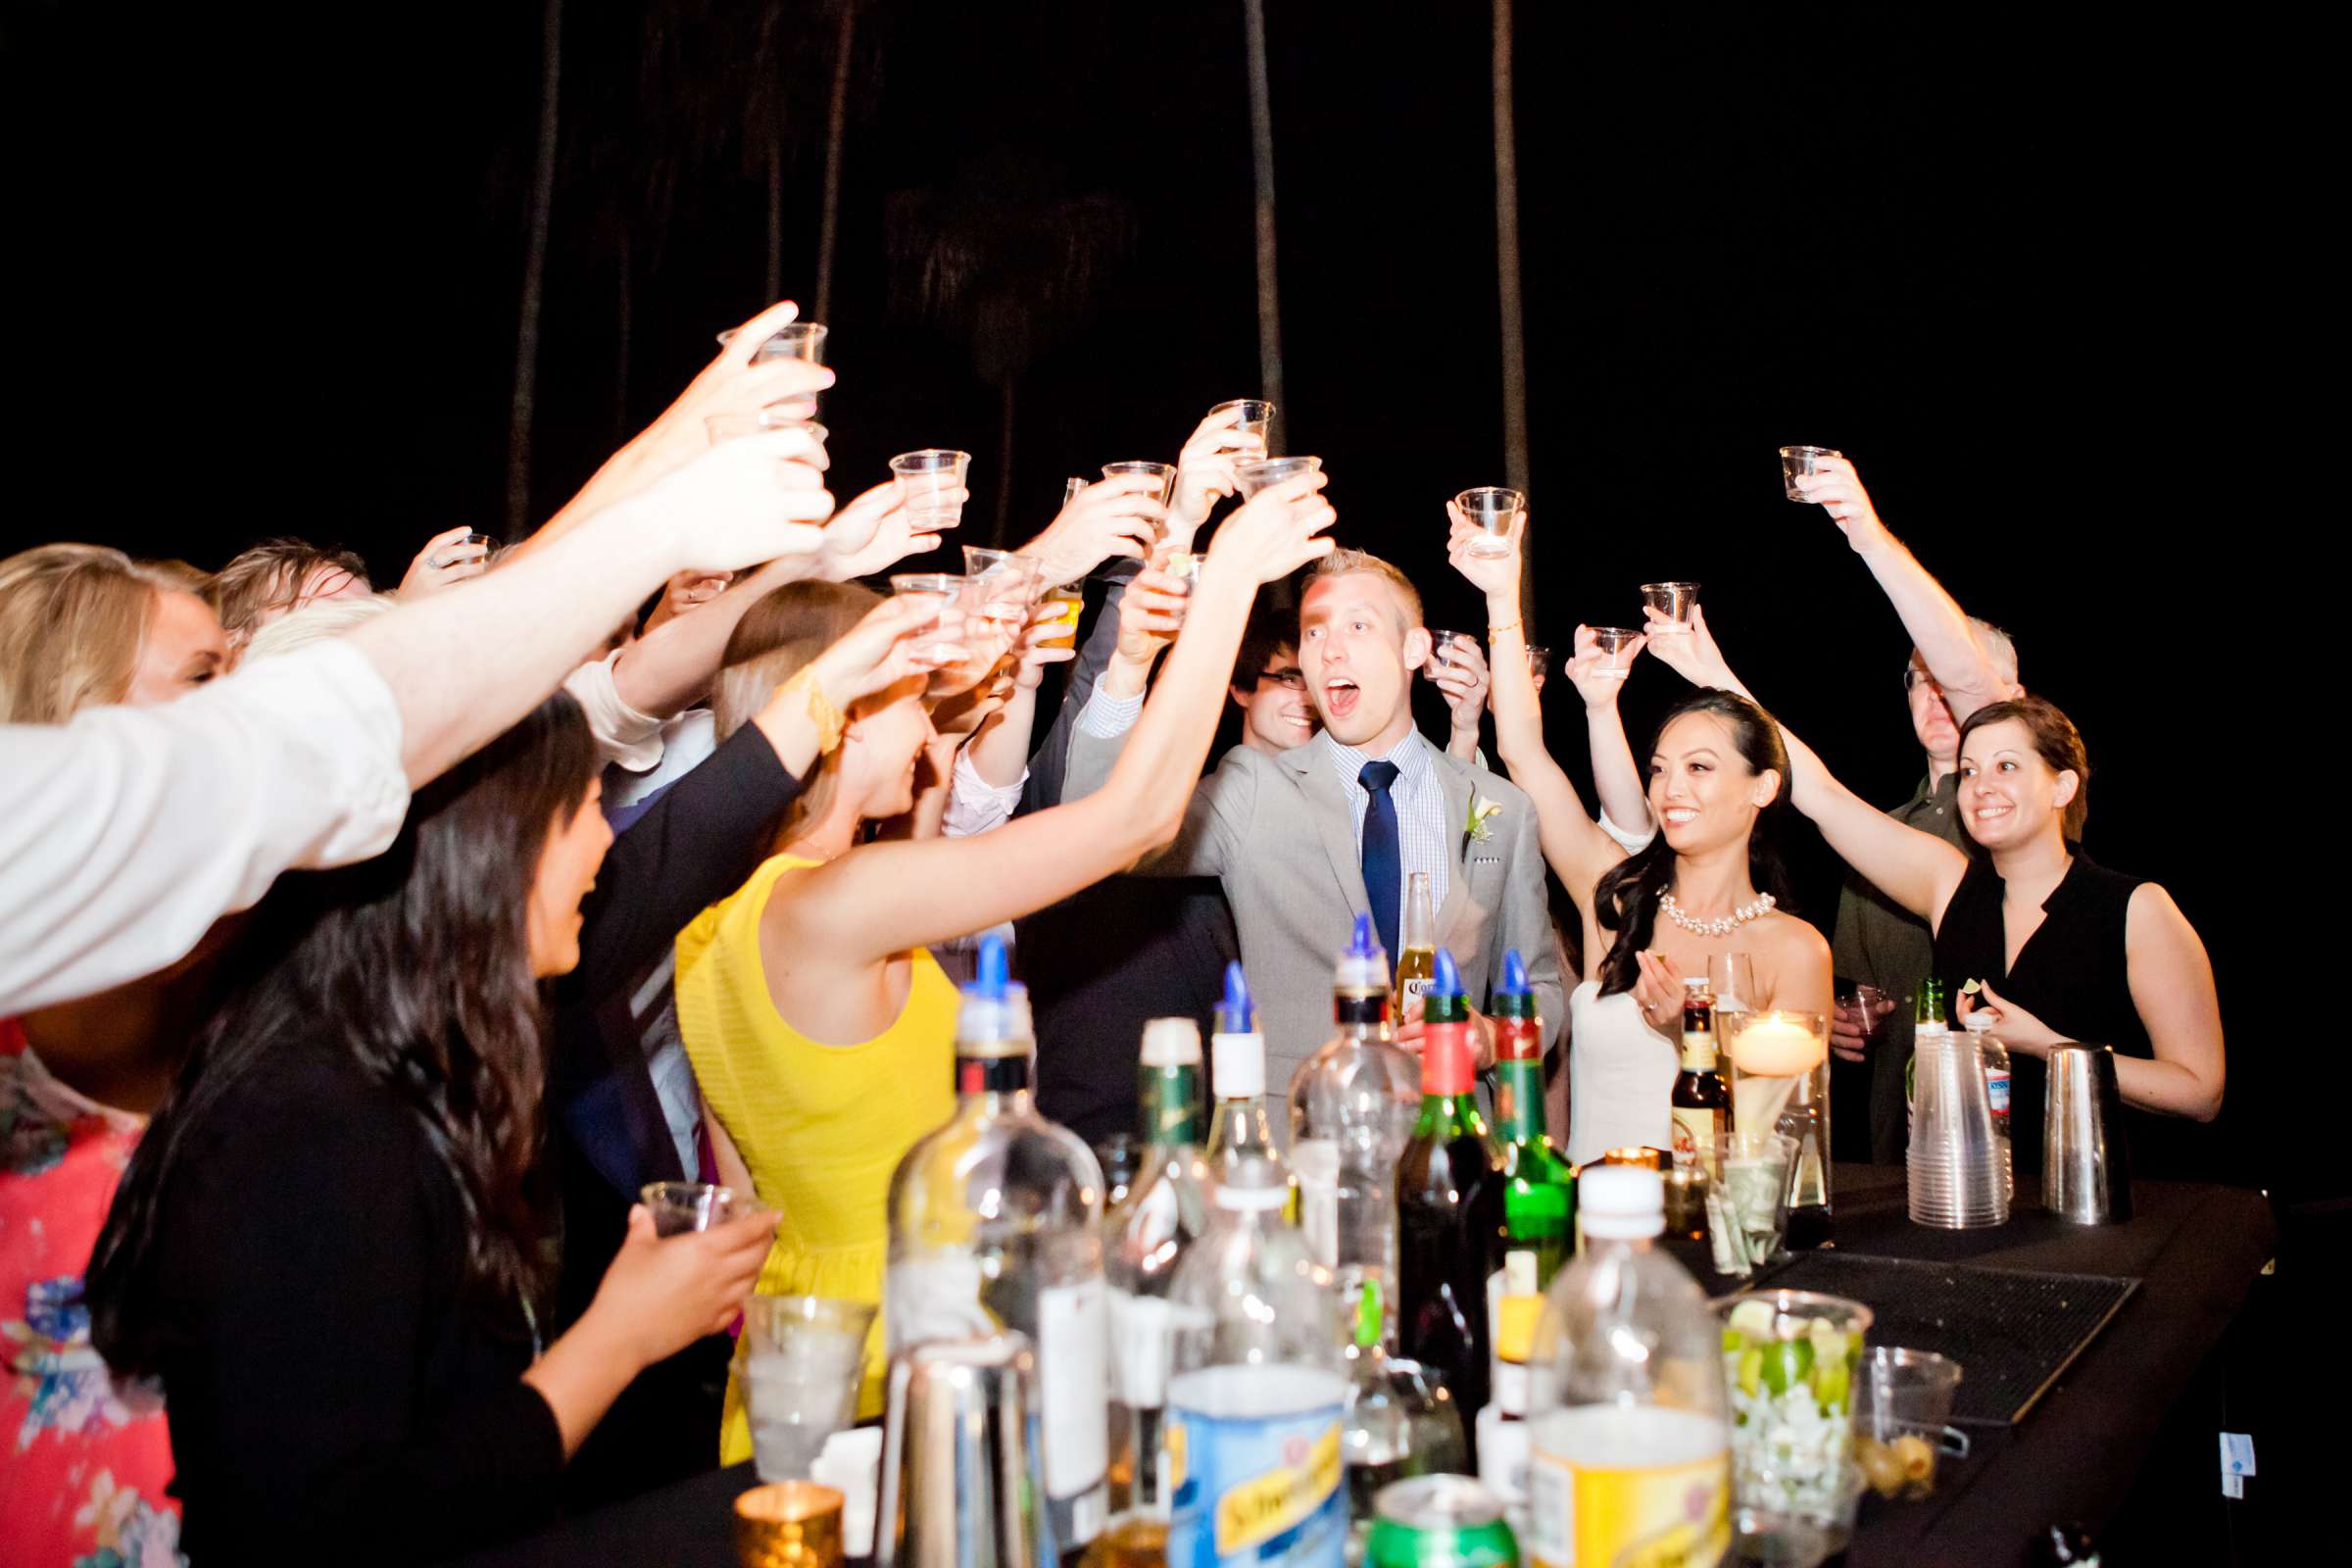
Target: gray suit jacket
{"points": [[1279, 832]]}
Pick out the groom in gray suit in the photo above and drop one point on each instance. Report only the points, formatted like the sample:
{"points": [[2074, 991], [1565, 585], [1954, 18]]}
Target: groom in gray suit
{"points": [[1305, 839]]}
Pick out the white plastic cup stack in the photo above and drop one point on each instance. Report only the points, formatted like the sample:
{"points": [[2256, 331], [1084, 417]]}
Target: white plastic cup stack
{"points": [[1954, 1164]]}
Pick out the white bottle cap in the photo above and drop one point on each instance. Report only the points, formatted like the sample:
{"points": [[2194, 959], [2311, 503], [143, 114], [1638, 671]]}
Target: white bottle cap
{"points": [[1979, 1022], [1239, 1063], [1171, 1042], [1621, 1202]]}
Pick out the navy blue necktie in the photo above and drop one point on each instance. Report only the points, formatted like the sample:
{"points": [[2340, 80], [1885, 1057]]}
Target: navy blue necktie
{"points": [[1384, 864]]}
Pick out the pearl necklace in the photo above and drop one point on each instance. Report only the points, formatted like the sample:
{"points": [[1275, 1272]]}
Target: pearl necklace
{"points": [[1722, 928]]}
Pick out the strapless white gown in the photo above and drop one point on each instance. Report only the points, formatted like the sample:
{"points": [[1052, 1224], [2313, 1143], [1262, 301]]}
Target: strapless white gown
{"points": [[1620, 1076]]}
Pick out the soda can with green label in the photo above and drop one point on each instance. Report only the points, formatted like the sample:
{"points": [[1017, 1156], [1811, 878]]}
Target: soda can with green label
{"points": [[1440, 1521]]}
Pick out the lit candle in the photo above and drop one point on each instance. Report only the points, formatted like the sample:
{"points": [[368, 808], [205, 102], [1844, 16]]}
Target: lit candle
{"points": [[1777, 1046]]}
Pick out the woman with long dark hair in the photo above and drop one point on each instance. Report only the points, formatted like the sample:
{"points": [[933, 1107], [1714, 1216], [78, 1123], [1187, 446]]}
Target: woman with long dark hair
{"points": [[2060, 949], [1709, 883], [332, 1246]]}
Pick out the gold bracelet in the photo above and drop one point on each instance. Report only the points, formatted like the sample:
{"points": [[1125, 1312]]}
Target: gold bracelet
{"points": [[1501, 625], [829, 721]]}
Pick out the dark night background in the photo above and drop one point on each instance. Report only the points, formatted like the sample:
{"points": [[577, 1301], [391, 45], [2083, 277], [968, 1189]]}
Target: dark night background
{"points": [[276, 290]]}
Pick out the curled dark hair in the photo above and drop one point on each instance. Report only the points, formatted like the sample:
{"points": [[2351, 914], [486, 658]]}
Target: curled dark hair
{"points": [[1626, 899], [2056, 741], [417, 964]]}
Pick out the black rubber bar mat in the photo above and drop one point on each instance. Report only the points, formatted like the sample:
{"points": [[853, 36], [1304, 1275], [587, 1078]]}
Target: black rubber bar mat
{"points": [[2012, 1331]]}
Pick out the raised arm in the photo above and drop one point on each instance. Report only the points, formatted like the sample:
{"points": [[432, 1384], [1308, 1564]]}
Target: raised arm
{"points": [[886, 898], [1917, 870], [1959, 660], [731, 383], [467, 663], [1573, 844], [1600, 679]]}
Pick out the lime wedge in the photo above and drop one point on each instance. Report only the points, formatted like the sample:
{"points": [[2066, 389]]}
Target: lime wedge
{"points": [[1752, 1368]]}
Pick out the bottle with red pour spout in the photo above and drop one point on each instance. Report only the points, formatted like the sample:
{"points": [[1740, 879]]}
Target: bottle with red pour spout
{"points": [[1449, 1203]]}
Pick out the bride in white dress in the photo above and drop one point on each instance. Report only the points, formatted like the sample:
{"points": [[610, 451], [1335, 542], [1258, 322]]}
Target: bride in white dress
{"points": [[1692, 876]]}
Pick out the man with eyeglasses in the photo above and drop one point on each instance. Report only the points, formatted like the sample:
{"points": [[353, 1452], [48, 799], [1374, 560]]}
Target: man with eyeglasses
{"points": [[1276, 712], [1958, 665]]}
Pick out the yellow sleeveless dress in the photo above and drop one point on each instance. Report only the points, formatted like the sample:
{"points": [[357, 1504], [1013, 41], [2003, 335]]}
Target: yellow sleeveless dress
{"points": [[821, 1126]]}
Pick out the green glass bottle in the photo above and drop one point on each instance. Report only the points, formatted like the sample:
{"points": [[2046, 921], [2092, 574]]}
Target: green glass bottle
{"points": [[1539, 1192], [1930, 1015], [1448, 1204]]}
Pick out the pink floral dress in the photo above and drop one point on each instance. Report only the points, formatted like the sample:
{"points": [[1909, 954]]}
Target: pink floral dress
{"points": [[83, 1459]]}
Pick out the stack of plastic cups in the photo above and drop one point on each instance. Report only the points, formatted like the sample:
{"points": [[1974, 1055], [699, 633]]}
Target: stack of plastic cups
{"points": [[1955, 1161]]}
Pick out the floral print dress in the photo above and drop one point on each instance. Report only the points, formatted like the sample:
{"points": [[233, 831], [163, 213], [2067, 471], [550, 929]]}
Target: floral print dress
{"points": [[83, 1459]]}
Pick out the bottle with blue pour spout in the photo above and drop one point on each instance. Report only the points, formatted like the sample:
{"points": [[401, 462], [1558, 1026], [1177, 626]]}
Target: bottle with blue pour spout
{"points": [[995, 1223], [1256, 1397], [1241, 1134], [1352, 1108], [1449, 1203]]}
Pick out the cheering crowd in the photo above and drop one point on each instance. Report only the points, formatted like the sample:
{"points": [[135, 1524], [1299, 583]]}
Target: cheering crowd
{"points": [[363, 955]]}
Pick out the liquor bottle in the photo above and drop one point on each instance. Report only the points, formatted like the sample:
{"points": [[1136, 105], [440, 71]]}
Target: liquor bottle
{"points": [[1627, 1408], [1702, 1101], [1143, 1240], [1241, 1134], [1448, 1204], [1257, 1394], [1416, 965], [1401, 1422], [1352, 1104], [1538, 1227], [996, 1222]]}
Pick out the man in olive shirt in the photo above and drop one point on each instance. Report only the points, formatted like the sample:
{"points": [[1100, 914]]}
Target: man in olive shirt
{"points": [[1958, 665]]}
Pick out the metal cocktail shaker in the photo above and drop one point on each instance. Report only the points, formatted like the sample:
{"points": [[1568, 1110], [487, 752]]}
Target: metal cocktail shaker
{"points": [[2085, 1164], [957, 1490]]}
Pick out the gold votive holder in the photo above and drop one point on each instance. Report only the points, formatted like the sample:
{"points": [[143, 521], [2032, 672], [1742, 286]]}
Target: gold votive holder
{"points": [[1639, 1155], [789, 1524]]}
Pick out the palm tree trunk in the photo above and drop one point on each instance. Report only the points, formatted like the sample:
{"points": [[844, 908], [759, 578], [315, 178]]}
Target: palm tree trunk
{"points": [[1261, 148], [775, 215], [1515, 465], [836, 116], [1001, 530], [628, 330], [534, 274]]}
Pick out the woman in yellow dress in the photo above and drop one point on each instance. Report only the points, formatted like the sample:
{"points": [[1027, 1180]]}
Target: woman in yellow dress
{"points": [[819, 1028]]}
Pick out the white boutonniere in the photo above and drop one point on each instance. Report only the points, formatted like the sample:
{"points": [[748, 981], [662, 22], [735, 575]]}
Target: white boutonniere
{"points": [[1481, 825]]}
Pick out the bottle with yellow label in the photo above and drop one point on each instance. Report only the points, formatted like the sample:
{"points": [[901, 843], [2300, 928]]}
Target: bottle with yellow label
{"points": [[1630, 1438], [1256, 1394]]}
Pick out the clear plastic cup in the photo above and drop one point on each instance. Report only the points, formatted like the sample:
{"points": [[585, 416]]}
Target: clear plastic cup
{"points": [[1953, 1167], [794, 340], [1257, 415], [681, 1207], [942, 588], [1441, 651], [804, 1358], [1164, 472], [1070, 604], [1673, 600], [1613, 641], [1266, 472], [1496, 511], [1802, 463], [1023, 573], [1902, 1414], [924, 476]]}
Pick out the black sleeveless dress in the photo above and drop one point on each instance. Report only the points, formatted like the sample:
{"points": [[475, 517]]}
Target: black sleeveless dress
{"points": [[2073, 975]]}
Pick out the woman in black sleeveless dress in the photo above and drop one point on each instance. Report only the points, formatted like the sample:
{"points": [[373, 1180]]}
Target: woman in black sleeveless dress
{"points": [[2062, 949]]}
